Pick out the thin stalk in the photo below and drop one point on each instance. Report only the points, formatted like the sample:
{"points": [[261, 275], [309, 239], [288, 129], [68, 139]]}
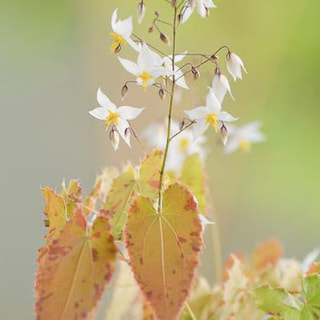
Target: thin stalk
{"points": [[174, 33], [193, 317], [216, 246]]}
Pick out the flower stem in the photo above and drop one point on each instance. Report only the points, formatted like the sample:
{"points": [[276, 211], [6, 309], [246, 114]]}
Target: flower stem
{"points": [[174, 33]]}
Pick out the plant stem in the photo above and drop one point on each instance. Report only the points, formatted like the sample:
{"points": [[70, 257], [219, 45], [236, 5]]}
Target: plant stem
{"points": [[193, 317], [174, 33]]}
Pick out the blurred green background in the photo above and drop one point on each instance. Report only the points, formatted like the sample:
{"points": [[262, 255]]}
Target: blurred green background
{"points": [[55, 54]]}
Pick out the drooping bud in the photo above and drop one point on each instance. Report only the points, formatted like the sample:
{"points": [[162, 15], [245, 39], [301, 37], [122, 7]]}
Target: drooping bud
{"points": [[157, 13], [162, 94], [150, 29], [181, 124], [127, 132], [141, 10], [180, 17], [165, 38], [235, 65], [224, 134], [196, 72], [114, 139], [124, 91]]}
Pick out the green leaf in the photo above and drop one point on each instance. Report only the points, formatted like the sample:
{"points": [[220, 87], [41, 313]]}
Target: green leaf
{"points": [[272, 301], [311, 293], [118, 201], [164, 248], [72, 275], [149, 174], [193, 176]]}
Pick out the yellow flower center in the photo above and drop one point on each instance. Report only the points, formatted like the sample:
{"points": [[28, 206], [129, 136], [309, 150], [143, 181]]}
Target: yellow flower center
{"points": [[245, 145], [145, 78], [213, 120], [183, 145], [117, 41], [111, 118]]}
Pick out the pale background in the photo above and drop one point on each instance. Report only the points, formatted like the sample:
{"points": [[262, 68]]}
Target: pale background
{"points": [[53, 57]]}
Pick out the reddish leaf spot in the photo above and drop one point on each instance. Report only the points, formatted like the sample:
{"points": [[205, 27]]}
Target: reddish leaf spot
{"points": [[191, 205], [94, 254]]}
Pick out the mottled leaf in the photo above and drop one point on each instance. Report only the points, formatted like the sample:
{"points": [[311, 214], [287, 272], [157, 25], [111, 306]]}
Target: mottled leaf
{"points": [[164, 248], [272, 301], [149, 174], [193, 176], [72, 275], [267, 254], [118, 201], [56, 212], [73, 196]]}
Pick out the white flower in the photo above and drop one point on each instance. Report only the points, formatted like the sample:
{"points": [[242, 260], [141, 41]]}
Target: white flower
{"points": [[180, 146], [180, 81], [220, 86], [111, 115], [234, 66], [209, 114], [148, 67], [242, 137], [202, 6], [122, 30]]}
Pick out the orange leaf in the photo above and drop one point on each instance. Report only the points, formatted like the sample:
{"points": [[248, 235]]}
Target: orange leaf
{"points": [[55, 211], [267, 254], [164, 248], [72, 275]]}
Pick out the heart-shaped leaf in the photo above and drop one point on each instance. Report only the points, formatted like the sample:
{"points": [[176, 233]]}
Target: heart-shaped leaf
{"points": [[164, 248], [72, 274]]}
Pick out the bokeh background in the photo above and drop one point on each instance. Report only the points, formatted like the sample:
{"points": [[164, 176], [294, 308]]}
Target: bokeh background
{"points": [[53, 57]]}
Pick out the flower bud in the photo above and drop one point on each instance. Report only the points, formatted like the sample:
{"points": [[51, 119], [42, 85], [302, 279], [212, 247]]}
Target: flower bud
{"points": [[157, 13], [141, 10], [224, 134], [196, 73], [181, 124], [164, 38], [235, 65], [180, 17], [124, 91], [150, 29], [114, 139], [162, 94]]}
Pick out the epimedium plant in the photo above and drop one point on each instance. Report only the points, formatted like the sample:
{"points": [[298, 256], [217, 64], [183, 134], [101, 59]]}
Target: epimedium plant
{"points": [[141, 227]]}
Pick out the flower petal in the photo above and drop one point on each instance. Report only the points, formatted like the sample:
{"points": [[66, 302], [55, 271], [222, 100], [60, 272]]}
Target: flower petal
{"points": [[197, 113], [114, 19], [105, 102], [199, 128], [122, 127], [130, 66], [129, 113], [213, 103], [225, 116], [99, 113]]}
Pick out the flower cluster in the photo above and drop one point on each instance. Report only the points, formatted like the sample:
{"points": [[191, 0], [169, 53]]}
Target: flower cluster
{"points": [[153, 68]]}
